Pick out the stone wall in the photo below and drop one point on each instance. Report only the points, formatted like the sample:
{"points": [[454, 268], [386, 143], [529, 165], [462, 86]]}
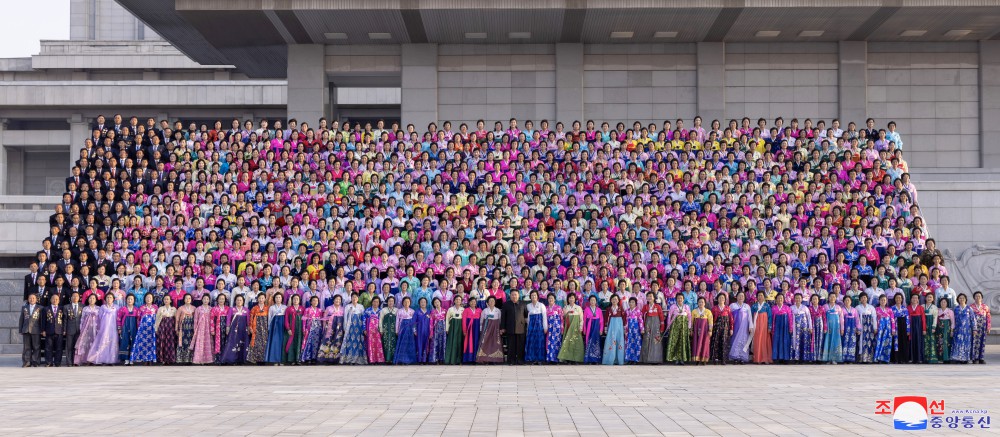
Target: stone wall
{"points": [[11, 299]]}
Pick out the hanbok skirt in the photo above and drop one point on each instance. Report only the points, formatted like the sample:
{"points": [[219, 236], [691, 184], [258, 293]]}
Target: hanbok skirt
{"points": [[943, 337], [237, 340], [553, 339], [592, 349], [88, 334], [867, 339], [739, 345], [354, 351], [720, 339], [166, 341], [803, 347], [633, 341], [701, 340], [679, 343], [979, 338], [490, 347], [614, 343], [961, 344], [438, 343], [833, 349], [652, 341], [293, 345], [850, 340], [406, 343], [376, 353], [329, 349], [930, 343], [470, 343], [184, 351], [126, 340], [534, 342], [453, 351], [885, 344], [423, 338], [902, 352], [144, 350], [761, 344], [389, 337], [916, 339], [781, 340], [571, 349], [817, 339], [276, 340], [312, 342], [257, 352], [104, 350]]}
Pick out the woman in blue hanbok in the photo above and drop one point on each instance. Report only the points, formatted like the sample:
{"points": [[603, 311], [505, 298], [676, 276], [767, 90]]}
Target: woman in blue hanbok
{"points": [[534, 342], [554, 337], [353, 351], [851, 326], [633, 331], [144, 350], [614, 342], [276, 329], [961, 338], [802, 338], [833, 349], [406, 334], [422, 324], [886, 341]]}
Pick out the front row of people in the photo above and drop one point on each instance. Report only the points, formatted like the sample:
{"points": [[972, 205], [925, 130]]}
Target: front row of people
{"points": [[519, 332]]}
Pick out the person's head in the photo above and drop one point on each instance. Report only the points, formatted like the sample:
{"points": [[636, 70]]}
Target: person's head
{"points": [[962, 299], [680, 300], [780, 299], [977, 297], [147, 299], [314, 302], [515, 295], [278, 298], [205, 300], [406, 302], [472, 302], [701, 302], [898, 299], [862, 298], [798, 298], [571, 299], [436, 303], [533, 296], [491, 302], [740, 297], [551, 299], [457, 301], [592, 301], [109, 299], [633, 302], [32, 298]]}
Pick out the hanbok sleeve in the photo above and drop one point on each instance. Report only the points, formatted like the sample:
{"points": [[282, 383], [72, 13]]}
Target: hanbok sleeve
{"points": [[840, 314], [120, 317], [545, 321]]}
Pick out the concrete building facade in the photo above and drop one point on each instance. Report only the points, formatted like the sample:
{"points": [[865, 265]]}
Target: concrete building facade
{"points": [[931, 66]]}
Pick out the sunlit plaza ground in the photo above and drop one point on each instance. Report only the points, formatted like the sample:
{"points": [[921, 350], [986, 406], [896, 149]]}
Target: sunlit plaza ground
{"points": [[482, 400]]}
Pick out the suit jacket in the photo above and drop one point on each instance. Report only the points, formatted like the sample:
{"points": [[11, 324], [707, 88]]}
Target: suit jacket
{"points": [[30, 321], [71, 319], [52, 321], [512, 314], [34, 289], [30, 281]]}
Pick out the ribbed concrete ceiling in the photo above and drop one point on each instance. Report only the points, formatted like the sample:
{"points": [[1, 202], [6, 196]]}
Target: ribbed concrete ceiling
{"points": [[253, 34]]}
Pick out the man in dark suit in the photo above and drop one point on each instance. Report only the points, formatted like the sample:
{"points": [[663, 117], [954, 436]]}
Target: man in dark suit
{"points": [[513, 326], [100, 124], [41, 282], [52, 330], [30, 327], [31, 279], [71, 313]]}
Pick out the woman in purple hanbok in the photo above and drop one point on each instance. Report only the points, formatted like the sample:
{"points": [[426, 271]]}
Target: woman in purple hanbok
{"points": [[88, 330], [238, 340], [438, 339], [740, 341], [104, 350]]}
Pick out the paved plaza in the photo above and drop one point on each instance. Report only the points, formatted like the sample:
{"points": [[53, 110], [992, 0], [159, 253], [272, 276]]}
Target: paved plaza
{"points": [[481, 400]]}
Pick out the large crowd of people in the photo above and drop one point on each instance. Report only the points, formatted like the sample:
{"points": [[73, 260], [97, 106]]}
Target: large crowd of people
{"points": [[261, 243]]}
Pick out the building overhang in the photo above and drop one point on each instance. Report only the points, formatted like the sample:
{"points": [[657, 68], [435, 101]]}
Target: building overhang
{"points": [[253, 35]]}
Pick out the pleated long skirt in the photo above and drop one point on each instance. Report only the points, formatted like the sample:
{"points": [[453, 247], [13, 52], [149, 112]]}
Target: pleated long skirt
{"points": [[166, 341], [781, 339], [679, 343], [614, 343], [761, 347], [652, 341]]}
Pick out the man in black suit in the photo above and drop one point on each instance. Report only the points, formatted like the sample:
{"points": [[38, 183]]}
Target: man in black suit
{"points": [[100, 124], [41, 282], [31, 279], [52, 330], [74, 179], [30, 327], [71, 313], [513, 326]]}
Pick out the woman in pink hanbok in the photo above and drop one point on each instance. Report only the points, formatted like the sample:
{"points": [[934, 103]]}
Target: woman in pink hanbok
{"points": [[202, 341]]}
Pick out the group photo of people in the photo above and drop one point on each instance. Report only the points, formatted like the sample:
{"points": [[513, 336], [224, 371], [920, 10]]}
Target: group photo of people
{"points": [[284, 243]]}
